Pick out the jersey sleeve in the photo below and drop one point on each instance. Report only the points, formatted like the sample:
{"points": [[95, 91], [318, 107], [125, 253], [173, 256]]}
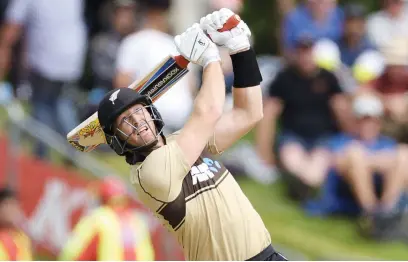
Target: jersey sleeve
{"points": [[162, 173], [83, 242]]}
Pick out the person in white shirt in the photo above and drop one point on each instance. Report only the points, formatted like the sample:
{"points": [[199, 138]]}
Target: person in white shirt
{"points": [[141, 51], [55, 38], [390, 22]]}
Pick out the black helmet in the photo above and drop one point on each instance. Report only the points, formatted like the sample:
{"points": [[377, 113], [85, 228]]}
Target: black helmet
{"points": [[113, 104]]}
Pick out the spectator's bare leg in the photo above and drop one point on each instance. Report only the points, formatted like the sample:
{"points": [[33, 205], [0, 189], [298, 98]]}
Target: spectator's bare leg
{"points": [[394, 177], [397, 107], [354, 167], [317, 166], [294, 158]]}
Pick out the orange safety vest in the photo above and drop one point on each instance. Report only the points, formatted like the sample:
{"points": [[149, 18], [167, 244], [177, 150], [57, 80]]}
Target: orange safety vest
{"points": [[14, 246], [110, 234]]}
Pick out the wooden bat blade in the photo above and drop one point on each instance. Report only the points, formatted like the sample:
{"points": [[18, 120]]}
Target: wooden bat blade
{"points": [[89, 134]]}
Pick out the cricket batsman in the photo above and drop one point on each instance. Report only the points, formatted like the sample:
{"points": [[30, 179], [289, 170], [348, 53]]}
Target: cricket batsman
{"points": [[177, 176]]}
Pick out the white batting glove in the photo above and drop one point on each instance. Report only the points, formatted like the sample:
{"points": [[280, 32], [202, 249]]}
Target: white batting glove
{"points": [[196, 47], [236, 39]]}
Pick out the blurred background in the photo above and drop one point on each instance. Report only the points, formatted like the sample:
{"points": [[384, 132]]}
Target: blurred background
{"points": [[326, 168]]}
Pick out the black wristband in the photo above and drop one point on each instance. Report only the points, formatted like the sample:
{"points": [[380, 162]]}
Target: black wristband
{"points": [[246, 69]]}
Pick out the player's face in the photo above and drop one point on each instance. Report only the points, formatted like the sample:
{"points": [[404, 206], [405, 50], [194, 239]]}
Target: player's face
{"points": [[136, 126]]}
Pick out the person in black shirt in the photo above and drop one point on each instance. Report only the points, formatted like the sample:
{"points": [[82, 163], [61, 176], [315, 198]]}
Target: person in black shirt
{"points": [[311, 105]]}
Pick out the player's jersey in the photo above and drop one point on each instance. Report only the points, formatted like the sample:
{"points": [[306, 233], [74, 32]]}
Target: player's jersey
{"points": [[203, 205]]}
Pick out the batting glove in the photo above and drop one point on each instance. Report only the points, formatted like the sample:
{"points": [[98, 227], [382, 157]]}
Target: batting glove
{"points": [[196, 47], [236, 39]]}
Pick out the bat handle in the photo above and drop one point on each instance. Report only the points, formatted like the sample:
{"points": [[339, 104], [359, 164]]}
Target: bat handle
{"points": [[181, 61], [232, 22]]}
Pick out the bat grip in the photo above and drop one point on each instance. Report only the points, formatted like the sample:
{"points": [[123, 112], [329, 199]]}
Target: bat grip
{"points": [[232, 22]]}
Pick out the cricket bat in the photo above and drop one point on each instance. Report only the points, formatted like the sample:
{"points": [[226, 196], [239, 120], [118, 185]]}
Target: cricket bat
{"points": [[89, 134]]}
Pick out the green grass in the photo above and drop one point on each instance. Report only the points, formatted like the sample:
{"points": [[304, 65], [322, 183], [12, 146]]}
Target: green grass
{"points": [[316, 237]]}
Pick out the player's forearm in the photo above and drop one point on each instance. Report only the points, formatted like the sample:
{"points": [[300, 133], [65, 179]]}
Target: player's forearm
{"points": [[248, 103], [211, 97], [265, 137]]}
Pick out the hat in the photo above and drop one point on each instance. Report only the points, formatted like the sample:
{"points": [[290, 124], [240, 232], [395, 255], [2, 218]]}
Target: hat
{"points": [[367, 105], [304, 41], [396, 52], [156, 4], [326, 53], [354, 10], [115, 102], [111, 187], [368, 66]]}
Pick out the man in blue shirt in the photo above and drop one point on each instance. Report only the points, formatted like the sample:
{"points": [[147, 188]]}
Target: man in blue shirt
{"points": [[354, 41], [316, 18]]}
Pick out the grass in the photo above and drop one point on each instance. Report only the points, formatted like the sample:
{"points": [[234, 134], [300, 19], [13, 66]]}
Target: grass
{"points": [[318, 238]]}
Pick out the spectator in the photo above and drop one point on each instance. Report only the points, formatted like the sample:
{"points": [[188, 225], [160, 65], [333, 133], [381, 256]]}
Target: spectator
{"points": [[317, 18], [354, 41], [140, 52], [56, 42], [114, 231], [14, 244], [368, 169], [392, 87], [104, 48], [311, 104], [388, 23]]}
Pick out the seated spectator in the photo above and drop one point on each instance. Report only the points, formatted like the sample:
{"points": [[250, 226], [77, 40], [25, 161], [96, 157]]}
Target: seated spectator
{"points": [[368, 170], [317, 18], [390, 22], [311, 104], [392, 87], [104, 48], [354, 41]]}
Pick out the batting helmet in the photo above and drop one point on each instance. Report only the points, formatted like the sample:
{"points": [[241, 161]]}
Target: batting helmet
{"points": [[113, 105]]}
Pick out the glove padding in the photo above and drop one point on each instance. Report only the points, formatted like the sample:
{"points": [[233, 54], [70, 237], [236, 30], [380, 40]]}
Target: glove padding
{"points": [[236, 39], [196, 47]]}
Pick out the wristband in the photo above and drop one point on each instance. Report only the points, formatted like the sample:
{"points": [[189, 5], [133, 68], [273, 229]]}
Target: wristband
{"points": [[246, 69]]}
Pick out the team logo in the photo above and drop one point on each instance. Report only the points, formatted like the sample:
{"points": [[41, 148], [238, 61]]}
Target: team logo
{"points": [[114, 96], [204, 171]]}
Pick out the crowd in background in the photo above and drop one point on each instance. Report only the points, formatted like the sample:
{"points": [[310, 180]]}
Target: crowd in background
{"points": [[335, 106]]}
